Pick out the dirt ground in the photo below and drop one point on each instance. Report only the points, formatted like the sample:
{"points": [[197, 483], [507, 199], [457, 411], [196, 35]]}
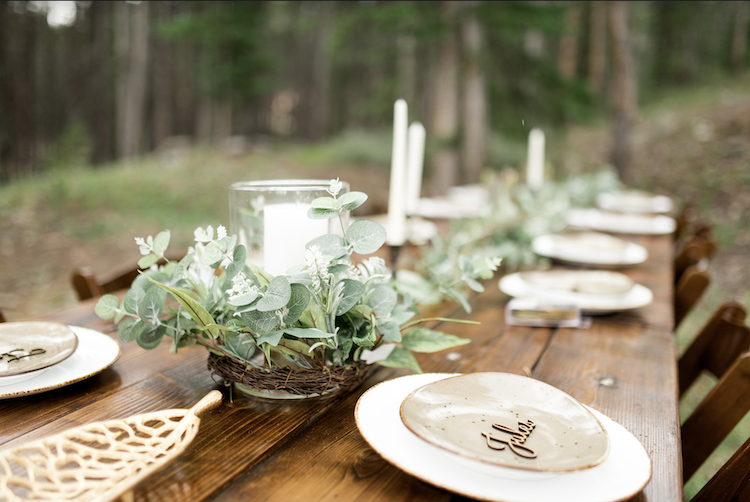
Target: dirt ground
{"points": [[694, 153]]}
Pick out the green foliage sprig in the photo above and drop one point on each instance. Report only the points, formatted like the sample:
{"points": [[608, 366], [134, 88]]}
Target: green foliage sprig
{"points": [[326, 311]]}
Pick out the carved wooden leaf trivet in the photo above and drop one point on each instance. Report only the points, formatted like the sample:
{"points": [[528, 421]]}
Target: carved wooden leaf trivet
{"points": [[99, 461]]}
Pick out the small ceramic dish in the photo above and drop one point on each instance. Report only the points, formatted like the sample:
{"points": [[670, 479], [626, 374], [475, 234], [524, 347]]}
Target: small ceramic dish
{"points": [[589, 248], [621, 223], [26, 347], [507, 420]]}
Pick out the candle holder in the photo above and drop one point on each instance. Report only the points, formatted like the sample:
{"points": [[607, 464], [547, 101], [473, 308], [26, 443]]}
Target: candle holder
{"points": [[270, 220]]}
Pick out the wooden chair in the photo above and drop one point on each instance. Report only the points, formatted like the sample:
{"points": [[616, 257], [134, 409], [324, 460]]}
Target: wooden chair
{"points": [[2, 317], [717, 346], [694, 252], [87, 285], [684, 220], [689, 289], [714, 418]]}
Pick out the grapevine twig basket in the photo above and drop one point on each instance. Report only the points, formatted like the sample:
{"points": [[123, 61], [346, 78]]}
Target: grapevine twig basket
{"points": [[287, 382]]}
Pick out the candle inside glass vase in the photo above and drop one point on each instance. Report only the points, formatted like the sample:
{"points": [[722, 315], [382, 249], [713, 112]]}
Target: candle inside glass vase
{"points": [[270, 220]]}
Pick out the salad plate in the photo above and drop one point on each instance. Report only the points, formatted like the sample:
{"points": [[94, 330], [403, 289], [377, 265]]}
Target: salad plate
{"points": [[634, 201], [589, 248], [622, 223], [594, 292], [26, 347], [624, 473]]}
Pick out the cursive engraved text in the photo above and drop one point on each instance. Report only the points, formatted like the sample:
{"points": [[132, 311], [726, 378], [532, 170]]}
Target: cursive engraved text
{"points": [[515, 439], [16, 354]]}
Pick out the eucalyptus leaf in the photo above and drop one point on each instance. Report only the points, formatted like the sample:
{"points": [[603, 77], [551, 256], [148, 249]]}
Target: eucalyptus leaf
{"points": [[128, 329], [363, 311], [295, 345], [329, 244], [243, 299], [390, 331], [272, 338], [401, 358], [313, 317], [152, 304], [428, 340], [260, 322], [350, 296], [241, 345], [338, 268], [147, 261], [382, 299], [368, 340], [107, 306], [366, 236], [151, 337], [132, 298], [192, 306], [315, 213], [474, 285], [161, 242], [323, 203], [458, 297], [277, 295], [352, 200], [298, 302], [307, 333], [212, 254]]}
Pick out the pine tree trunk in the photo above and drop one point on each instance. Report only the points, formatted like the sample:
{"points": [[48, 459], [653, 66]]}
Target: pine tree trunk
{"points": [[567, 59], [624, 101], [164, 82], [132, 48], [739, 37], [597, 58], [445, 109], [474, 138]]}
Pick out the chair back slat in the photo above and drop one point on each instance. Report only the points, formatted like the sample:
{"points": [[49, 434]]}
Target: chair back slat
{"points": [[732, 482], [688, 291], [717, 346], [724, 406]]}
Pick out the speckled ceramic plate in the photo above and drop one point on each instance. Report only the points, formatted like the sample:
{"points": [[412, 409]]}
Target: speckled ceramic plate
{"points": [[623, 474], [96, 352], [589, 248], [621, 223], [590, 304], [507, 420], [31, 346], [591, 282], [634, 201]]}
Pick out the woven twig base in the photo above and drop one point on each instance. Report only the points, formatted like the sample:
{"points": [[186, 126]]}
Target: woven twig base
{"points": [[300, 381]]}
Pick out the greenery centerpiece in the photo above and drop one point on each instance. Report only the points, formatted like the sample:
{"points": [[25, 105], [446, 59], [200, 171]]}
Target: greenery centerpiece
{"points": [[306, 333]]}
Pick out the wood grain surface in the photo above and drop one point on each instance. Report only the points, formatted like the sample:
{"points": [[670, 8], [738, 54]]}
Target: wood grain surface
{"points": [[248, 449]]}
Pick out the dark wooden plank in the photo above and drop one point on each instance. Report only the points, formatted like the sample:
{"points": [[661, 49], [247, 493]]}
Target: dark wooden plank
{"points": [[628, 373]]}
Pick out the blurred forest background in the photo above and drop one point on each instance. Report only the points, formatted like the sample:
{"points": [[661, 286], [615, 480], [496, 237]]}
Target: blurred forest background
{"points": [[90, 82], [122, 119]]}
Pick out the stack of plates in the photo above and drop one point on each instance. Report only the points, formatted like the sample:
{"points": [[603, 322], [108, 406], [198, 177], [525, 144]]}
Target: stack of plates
{"points": [[595, 292], [589, 248], [501, 437], [634, 201], [41, 356]]}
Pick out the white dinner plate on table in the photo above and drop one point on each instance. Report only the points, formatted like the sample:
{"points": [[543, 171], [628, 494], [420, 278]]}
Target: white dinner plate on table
{"points": [[95, 352], [589, 248], [450, 208], [624, 473], [621, 223], [600, 296], [634, 201]]}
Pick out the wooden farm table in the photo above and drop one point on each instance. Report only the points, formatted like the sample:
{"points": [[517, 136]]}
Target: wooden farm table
{"points": [[623, 366]]}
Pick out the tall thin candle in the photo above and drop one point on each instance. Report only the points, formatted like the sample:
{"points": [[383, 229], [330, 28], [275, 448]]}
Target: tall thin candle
{"points": [[535, 159], [414, 166], [287, 230], [397, 191]]}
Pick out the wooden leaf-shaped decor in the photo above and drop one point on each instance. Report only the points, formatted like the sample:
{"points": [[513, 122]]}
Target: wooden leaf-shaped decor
{"points": [[99, 461]]}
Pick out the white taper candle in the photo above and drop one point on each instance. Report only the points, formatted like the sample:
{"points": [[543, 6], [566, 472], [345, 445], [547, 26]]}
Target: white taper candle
{"points": [[396, 195]]}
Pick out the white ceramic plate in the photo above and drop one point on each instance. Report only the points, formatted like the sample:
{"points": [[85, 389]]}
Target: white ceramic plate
{"points": [[623, 474], [590, 304], [450, 208], [96, 352], [634, 201], [507, 420], [623, 223], [589, 248], [33, 345]]}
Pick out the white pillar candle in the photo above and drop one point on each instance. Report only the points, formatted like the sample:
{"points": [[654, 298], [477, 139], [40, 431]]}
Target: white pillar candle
{"points": [[535, 159], [396, 231], [414, 166], [286, 230]]}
